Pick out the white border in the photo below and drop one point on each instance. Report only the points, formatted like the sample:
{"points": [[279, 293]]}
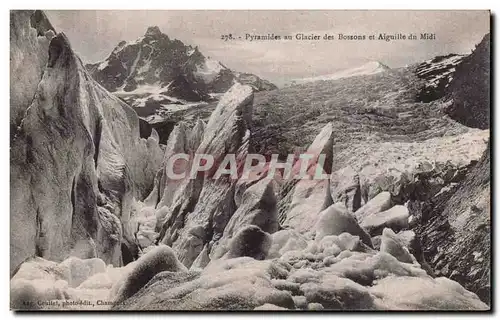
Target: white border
{"points": [[189, 4]]}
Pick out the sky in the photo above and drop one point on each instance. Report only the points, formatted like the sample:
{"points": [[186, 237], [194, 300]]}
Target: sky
{"points": [[94, 34]]}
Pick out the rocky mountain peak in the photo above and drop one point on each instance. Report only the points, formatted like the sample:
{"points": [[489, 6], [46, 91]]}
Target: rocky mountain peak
{"points": [[153, 31], [158, 74], [469, 89]]}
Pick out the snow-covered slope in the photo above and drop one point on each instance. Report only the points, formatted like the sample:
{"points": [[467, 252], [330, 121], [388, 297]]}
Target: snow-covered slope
{"points": [[437, 74], [371, 67]]}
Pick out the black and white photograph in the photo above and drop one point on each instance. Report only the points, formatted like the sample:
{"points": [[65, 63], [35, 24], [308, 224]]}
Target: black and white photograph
{"points": [[250, 160]]}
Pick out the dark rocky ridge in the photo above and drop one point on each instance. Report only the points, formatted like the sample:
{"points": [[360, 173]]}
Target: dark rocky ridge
{"points": [[463, 81]]}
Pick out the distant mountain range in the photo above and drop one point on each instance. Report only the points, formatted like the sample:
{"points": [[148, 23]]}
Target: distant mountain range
{"points": [[371, 67], [156, 72]]}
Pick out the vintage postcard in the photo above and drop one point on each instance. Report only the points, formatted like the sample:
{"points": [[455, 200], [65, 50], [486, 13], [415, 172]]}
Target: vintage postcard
{"points": [[204, 160]]}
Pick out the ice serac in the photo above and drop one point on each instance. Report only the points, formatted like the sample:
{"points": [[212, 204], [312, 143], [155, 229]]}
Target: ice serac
{"points": [[80, 173], [286, 240], [30, 35], [424, 294], [41, 280], [392, 244], [377, 204], [395, 218], [158, 259], [402, 148], [336, 220], [195, 136], [249, 241], [177, 144], [236, 284], [309, 196], [163, 188], [258, 208], [201, 209], [77, 160], [392, 142]]}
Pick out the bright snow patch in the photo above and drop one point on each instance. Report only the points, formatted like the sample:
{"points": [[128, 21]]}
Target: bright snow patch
{"points": [[155, 92], [144, 89], [209, 70]]}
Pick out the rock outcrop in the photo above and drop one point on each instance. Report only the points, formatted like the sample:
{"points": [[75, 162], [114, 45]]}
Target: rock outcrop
{"points": [[463, 81], [310, 194], [77, 160]]}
